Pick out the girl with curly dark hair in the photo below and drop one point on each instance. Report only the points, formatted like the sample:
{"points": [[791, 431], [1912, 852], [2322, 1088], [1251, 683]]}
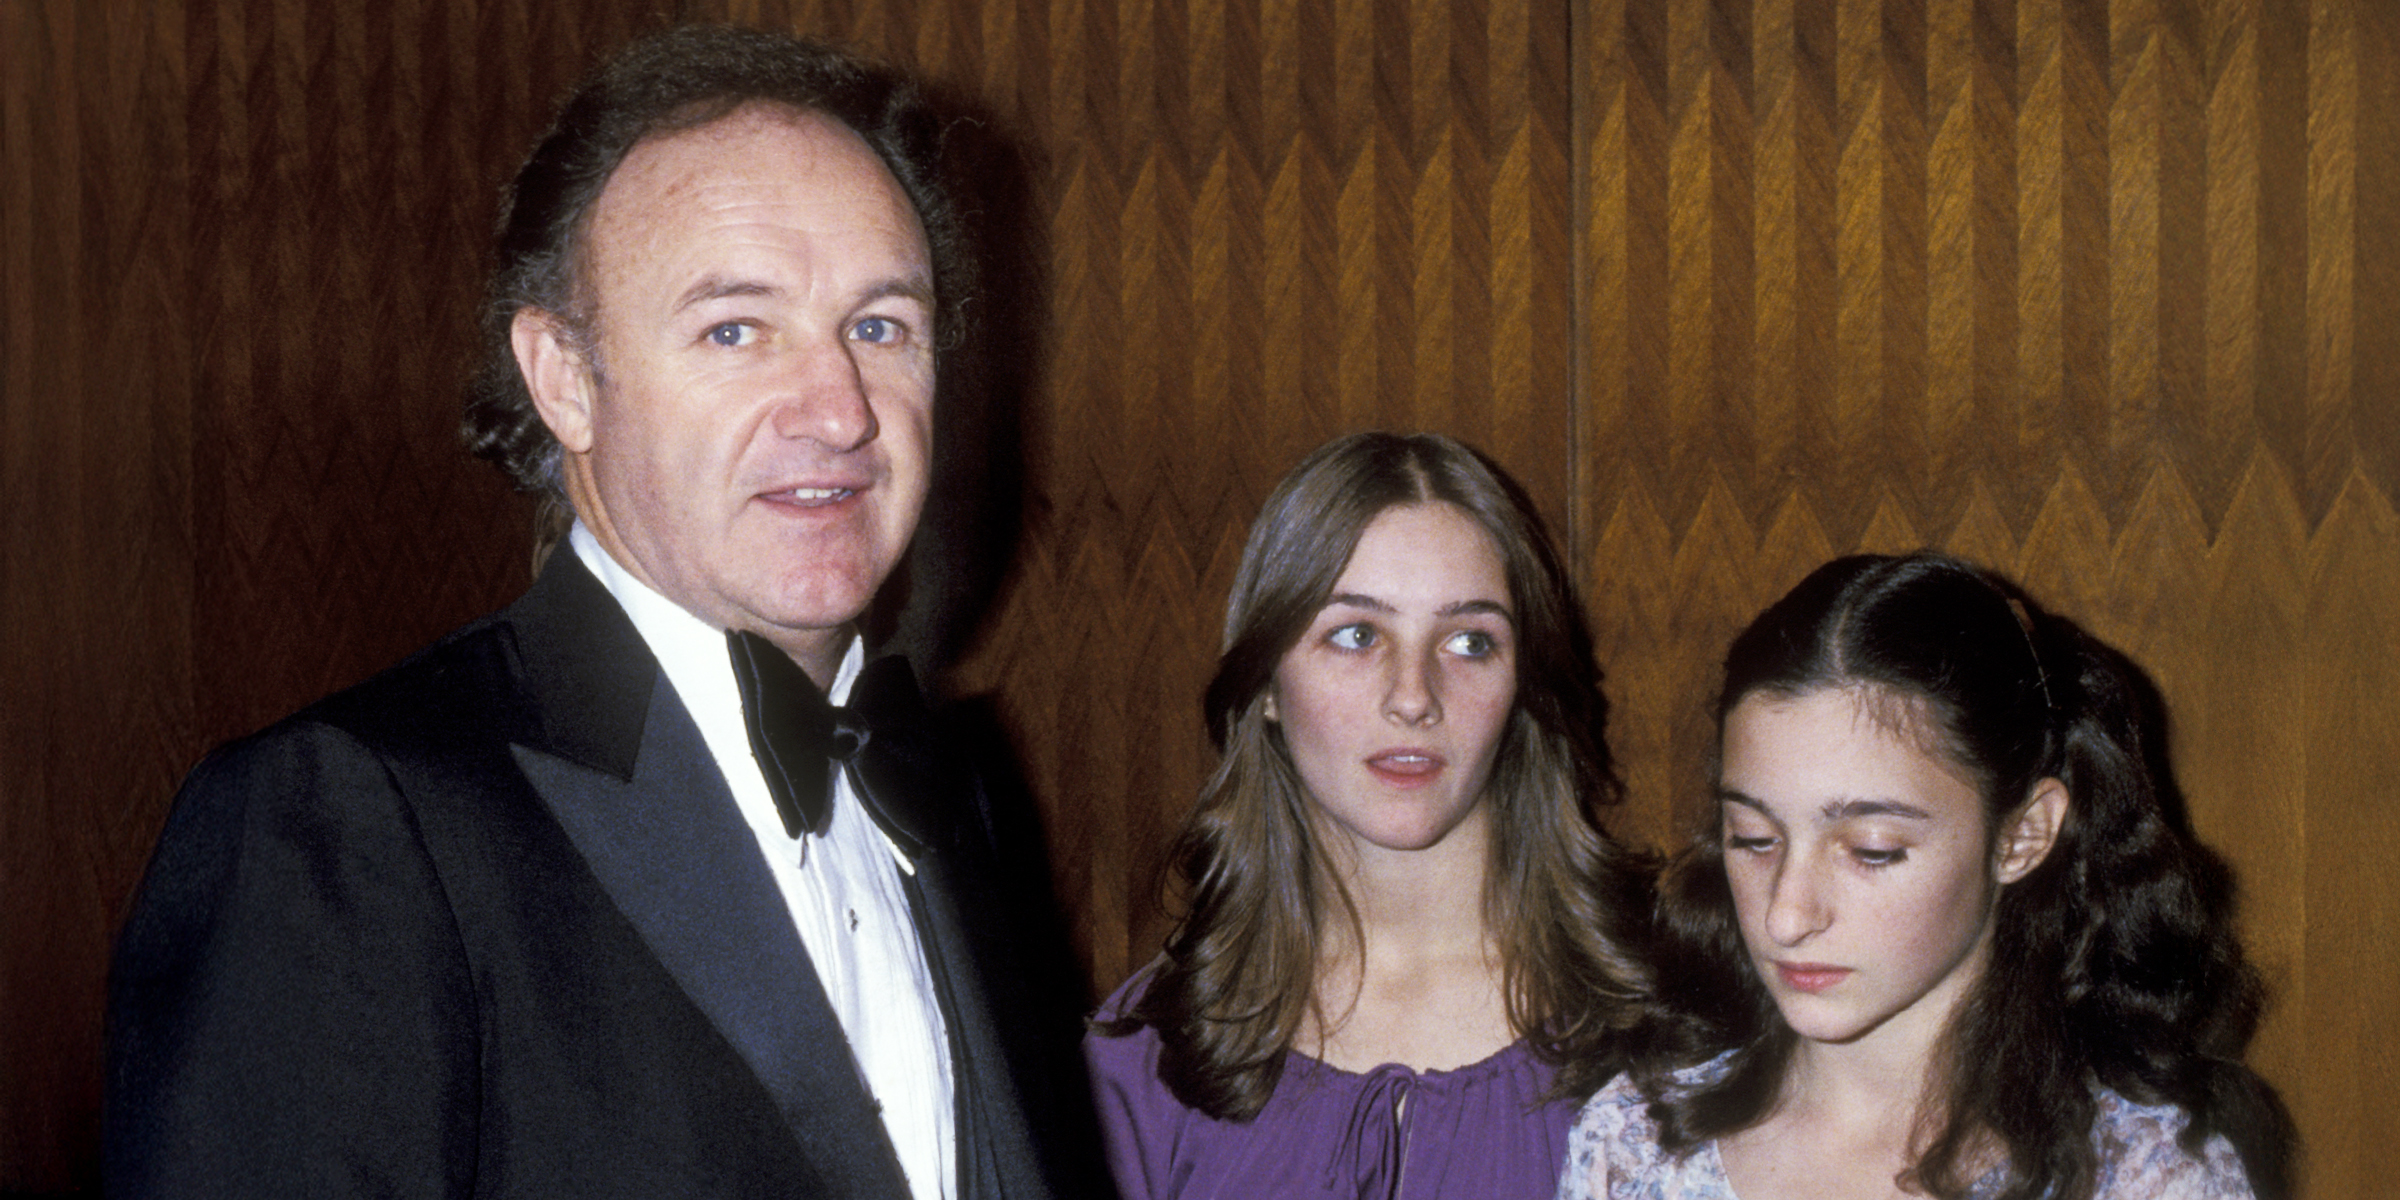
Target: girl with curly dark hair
{"points": [[1949, 936], [1404, 953]]}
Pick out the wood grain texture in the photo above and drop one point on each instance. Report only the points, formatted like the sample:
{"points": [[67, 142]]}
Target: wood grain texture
{"points": [[2103, 292], [96, 427], [240, 246]]}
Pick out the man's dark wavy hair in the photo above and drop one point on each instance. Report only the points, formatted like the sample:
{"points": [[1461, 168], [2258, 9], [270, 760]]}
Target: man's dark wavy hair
{"points": [[2114, 961], [665, 83]]}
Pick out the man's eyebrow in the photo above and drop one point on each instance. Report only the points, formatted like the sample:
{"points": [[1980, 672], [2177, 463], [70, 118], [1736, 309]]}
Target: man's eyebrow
{"points": [[907, 287], [718, 287]]}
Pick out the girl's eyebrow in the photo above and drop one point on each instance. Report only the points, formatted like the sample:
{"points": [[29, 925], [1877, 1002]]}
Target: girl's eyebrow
{"points": [[1845, 810], [1356, 600], [1726, 795], [1458, 608], [1492, 607], [1834, 810]]}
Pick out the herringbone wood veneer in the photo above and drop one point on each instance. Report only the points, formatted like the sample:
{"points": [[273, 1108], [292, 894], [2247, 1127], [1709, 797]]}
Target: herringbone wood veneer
{"points": [[2104, 292]]}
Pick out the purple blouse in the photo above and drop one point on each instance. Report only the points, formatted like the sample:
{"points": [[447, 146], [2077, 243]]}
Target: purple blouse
{"points": [[1480, 1132]]}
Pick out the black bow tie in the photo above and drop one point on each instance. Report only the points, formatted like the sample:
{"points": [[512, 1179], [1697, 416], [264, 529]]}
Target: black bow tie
{"points": [[798, 738]]}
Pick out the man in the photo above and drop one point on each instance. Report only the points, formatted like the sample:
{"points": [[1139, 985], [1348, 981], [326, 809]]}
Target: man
{"points": [[596, 896]]}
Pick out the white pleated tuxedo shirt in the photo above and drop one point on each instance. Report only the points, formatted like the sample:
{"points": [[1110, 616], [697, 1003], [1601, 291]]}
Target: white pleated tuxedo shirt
{"points": [[843, 886]]}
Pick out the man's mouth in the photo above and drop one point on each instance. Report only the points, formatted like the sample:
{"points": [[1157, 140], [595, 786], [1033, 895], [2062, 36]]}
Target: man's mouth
{"points": [[813, 495]]}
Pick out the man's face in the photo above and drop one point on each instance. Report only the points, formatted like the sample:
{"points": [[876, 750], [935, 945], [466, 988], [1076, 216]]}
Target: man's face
{"points": [[754, 443]]}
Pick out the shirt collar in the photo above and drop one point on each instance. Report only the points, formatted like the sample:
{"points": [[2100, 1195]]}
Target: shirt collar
{"points": [[691, 651]]}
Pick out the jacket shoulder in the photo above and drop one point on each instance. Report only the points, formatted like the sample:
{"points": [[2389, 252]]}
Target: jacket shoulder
{"points": [[468, 684]]}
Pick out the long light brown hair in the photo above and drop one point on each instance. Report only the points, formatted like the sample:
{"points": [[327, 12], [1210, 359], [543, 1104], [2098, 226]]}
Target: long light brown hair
{"points": [[1563, 900]]}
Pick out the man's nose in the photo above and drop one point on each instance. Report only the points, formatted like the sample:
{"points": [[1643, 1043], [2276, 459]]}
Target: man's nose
{"points": [[1414, 695], [825, 398]]}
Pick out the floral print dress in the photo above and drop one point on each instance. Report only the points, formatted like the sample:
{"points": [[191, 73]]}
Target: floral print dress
{"points": [[1613, 1154]]}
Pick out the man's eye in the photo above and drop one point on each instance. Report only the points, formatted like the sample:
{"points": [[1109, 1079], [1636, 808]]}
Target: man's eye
{"points": [[1472, 643], [732, 333], [1873, 857], [880, 331], [1352, 637]]}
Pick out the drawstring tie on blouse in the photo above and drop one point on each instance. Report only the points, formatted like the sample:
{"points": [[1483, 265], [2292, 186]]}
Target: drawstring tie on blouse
{"points": [[1375, 1137]]}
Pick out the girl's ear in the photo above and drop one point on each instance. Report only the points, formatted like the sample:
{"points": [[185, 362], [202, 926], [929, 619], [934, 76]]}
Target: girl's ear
{"points": [[2029, 832], [1268, 710]]}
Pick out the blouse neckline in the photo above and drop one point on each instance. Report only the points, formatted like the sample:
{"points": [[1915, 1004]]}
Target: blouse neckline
{"points": [[1506, 1058]]}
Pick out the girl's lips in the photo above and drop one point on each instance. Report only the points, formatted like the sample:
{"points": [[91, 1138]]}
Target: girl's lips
{"points": [[1810, 977], [1406, 768]]}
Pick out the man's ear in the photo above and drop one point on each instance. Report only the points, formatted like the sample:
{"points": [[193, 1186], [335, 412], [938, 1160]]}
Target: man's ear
{"points": [[2028, 834], [556, 374]]}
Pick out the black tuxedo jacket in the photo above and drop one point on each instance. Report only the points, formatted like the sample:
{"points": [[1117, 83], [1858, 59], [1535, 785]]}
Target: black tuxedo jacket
{"points": [[490, 924]]}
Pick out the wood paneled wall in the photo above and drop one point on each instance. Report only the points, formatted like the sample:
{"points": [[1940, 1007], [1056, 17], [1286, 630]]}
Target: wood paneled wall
{"points": [[241, 246], [2104, 292]]}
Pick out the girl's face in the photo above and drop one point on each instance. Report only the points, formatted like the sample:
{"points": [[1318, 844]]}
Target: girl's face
{"points": [[1862, 867], [1393, 702]]}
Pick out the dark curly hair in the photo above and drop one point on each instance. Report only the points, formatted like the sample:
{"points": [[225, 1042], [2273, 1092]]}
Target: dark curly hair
{"points": [[1564, 900], [676, 80], [2114, 961]]}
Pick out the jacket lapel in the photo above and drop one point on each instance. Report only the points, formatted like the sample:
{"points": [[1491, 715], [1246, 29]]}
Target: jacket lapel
{"points": [[931, 807], [609, 747], [994, 1146]]}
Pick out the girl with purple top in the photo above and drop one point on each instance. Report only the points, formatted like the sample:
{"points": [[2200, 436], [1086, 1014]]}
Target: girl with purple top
{"points": [[1405, 948], [1949, 935]]}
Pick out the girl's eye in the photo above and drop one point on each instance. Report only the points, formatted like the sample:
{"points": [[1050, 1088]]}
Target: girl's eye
{"points": [[880, 331], [1748, 845], [1874, 857], [732, 333], [1472, 643], [1352, 637]]}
